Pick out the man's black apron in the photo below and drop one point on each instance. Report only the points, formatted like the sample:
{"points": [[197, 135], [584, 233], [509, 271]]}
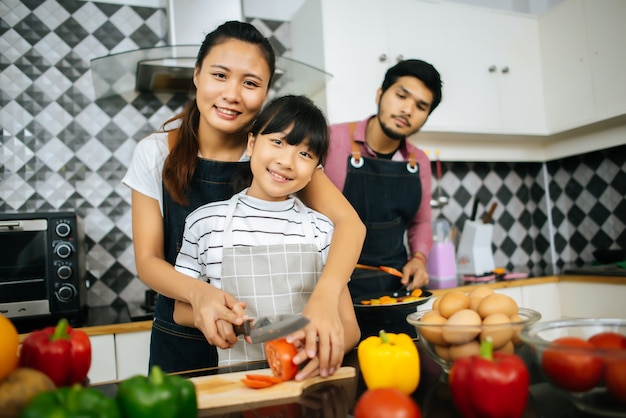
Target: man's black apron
{"points": [[386, 194], [174, 347]]}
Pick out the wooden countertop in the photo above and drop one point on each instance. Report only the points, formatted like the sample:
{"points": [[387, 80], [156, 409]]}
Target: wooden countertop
{"points": [[147, 325]]}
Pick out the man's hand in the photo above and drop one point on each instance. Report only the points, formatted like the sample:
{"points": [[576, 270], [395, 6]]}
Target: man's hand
{"points": [[414, 274]]}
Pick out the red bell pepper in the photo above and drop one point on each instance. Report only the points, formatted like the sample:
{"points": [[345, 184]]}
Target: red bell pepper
{"points": [[61, 352], [491, 385]]}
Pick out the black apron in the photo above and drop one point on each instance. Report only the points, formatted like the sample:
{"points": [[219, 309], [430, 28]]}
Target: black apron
{"points": [[174, 347], [386, 195]]}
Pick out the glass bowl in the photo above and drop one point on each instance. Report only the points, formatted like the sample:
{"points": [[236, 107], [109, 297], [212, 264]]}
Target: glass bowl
{"points": [[432, 336], [593, 376]]}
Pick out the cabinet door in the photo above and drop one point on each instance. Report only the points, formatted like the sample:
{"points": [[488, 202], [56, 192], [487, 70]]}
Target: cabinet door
{"points": [[103, 368], [353, 41], [567, 73], [133, 354], [606, 40], [489, 61]]}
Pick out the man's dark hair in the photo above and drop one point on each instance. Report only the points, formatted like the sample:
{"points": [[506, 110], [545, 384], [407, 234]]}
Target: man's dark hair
{"points": [[420, 70]]}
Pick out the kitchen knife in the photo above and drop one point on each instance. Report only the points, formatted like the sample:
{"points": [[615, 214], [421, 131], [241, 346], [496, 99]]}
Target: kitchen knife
{"points": [[270, 327]]}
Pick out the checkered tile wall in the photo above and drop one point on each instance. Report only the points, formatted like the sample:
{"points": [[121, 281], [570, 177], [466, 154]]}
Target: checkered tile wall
{"points": [[63, 150]]}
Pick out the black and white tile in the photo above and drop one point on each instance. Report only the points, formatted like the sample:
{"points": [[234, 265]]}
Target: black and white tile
{"points": [[64, 150]]}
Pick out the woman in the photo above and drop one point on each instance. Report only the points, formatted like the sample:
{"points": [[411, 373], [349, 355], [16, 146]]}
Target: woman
{"points": [[192, 163]]}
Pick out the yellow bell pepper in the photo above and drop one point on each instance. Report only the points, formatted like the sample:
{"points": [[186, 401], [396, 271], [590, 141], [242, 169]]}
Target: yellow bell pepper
{"points": [[389, 361]]}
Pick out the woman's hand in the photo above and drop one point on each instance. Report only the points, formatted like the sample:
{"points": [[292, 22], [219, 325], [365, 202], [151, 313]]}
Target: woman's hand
{"points": [[414, 274]]}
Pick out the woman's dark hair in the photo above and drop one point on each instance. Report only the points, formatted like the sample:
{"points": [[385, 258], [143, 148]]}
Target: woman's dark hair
{"points": [[422, 71], [300, 114], [181, 162]]}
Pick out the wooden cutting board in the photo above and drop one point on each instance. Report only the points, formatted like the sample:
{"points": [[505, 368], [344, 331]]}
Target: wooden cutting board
{"points": [[222, 390]]}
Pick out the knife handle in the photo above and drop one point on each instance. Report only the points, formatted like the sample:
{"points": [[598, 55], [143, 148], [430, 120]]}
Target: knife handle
{"points": [[243, 329]]}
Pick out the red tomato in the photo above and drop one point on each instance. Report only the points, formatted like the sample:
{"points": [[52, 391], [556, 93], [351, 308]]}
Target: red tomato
{"points": [[264, 378], [572, 369], [279, 354], [386, 403], [609, 340], [256, 384], [615, 377]]}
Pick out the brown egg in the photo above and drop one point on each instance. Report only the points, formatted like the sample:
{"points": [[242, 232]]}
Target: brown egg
{"points": [[474, 302], [436, 303], [453, 301], [481, 291], [443, 351], [497, 303], [471, 348], [500, 335], [461, 327], [507, 349], [432, 334], [516, 329]]}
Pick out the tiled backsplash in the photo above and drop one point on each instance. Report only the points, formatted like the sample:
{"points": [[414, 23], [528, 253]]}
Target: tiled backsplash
{"points": [[62, 150]]}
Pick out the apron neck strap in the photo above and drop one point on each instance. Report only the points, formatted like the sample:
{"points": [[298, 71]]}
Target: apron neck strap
{"points": [[356, 150]]}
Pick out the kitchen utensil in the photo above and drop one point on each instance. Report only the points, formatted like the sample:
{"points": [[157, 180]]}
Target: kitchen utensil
{"points": [[474, 209], [390, 270], [439, 200], [227, 390], [270, 327], [489, 214]]}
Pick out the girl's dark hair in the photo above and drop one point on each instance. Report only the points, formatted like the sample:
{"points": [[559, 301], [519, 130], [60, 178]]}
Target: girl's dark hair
{"points": [[181, 162], [422, 71], [300, 114]]}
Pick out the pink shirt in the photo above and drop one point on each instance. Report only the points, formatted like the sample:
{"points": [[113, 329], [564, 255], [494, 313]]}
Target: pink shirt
{"points": [[420, 229]]}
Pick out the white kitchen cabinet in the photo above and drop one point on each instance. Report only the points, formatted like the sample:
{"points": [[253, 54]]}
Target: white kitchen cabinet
{"points": [[543, 298], [584, 62], [132, 351], [103, 362], [592, 300], [361, 39]]}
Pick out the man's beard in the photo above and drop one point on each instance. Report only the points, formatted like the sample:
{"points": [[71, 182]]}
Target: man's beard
{"points": [[388, 131]]}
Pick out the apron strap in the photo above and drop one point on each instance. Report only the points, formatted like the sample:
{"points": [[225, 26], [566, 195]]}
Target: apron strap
{"points": [[357, 161]]}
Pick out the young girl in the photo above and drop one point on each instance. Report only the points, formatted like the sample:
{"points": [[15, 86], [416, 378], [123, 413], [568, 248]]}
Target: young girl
{"points": [[192, 163], [263, 245]]}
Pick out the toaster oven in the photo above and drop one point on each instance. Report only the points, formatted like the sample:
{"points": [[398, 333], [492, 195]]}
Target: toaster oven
{"points": [[42, 265]]}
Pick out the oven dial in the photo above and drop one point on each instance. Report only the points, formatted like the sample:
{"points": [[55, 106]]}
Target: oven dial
{"points": [[66, 293], [63, 250], [64, 272], [63, 229]]}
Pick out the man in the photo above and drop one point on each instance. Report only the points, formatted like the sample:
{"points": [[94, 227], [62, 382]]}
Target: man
{"points": [[388, 181]]}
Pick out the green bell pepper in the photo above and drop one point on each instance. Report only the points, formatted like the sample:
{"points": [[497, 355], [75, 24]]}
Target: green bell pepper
{"points": [[71, 402], [157, 395]]}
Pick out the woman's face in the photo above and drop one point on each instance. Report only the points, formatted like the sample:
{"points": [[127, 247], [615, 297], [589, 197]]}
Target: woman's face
{"points": [[232, 85]]}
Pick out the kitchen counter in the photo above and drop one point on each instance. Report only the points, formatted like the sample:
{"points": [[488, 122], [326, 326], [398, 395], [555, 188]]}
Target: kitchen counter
{"points": [[124, 323], [336, 399]]}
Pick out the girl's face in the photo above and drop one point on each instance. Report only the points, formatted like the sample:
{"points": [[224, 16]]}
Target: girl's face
{"points": [[279, 169], [232, 85]]}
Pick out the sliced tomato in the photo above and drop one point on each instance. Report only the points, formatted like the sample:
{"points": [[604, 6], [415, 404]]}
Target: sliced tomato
{"points": [[264, 378], [279, 354], [256, 384]]}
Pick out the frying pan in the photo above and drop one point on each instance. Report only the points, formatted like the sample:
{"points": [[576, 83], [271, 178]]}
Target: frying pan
{"points": [[426, 295]]}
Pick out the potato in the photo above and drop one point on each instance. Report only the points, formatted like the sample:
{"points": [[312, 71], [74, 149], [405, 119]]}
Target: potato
{"points": [[19, 387]]}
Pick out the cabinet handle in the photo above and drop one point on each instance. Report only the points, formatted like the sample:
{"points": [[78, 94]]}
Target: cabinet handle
{"points": [[492, 69], [400, 58], [382, 58], [505, 70]]}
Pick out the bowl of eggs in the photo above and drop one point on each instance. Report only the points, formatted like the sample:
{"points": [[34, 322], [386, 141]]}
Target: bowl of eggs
{"points": [[585, 359], [459, 321]]}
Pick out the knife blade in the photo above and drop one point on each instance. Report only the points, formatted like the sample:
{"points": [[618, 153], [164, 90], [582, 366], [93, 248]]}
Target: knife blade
{"points": [[270, 327]]}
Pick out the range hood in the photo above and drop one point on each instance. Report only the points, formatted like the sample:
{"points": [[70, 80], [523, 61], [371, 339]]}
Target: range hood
{"points": [[169, 69]]}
